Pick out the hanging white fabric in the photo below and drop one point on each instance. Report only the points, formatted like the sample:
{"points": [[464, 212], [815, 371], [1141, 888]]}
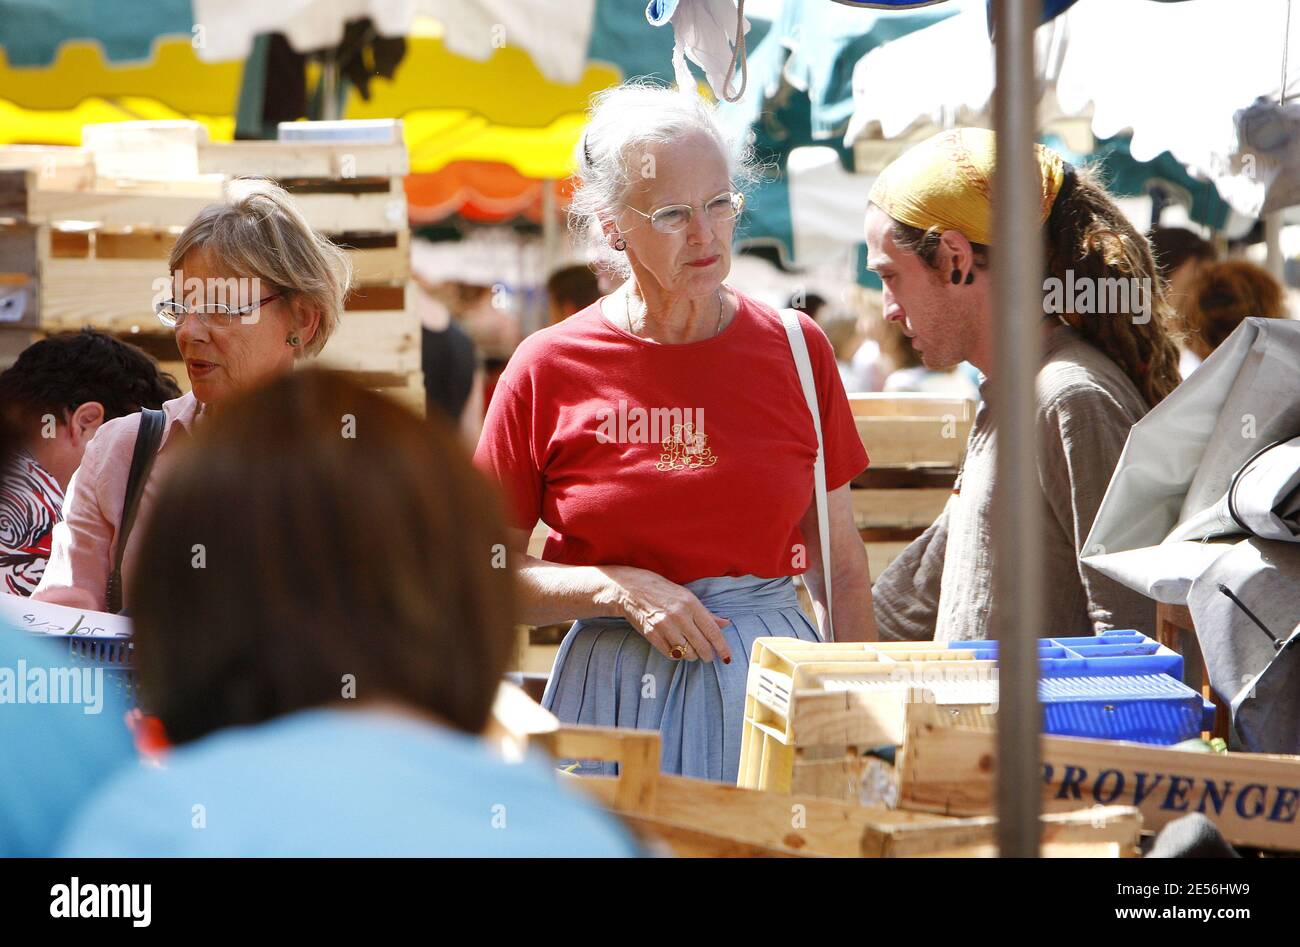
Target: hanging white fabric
{"points": [[711, 34]]}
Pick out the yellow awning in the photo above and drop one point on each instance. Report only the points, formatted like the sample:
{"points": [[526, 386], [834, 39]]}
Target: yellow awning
{"points": [[454, 109]]}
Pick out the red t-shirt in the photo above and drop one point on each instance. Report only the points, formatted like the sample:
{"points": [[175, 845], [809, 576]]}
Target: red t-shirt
{"points": [[690, 460]]}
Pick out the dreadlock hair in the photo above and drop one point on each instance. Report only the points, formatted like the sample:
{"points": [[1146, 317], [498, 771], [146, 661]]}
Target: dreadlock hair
{"points": [[1087, 232]]}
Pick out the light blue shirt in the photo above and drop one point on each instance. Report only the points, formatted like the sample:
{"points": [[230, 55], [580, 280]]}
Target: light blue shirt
{"points": [[351, 783], [53, 756]]}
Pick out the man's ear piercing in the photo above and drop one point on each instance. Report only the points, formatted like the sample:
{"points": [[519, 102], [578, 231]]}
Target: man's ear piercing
{"points": [[956, 277], [294, 341]]}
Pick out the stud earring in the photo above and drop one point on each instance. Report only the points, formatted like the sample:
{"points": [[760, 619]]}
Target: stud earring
{"points": [[294, 341], [620, 244], [956, 277]]}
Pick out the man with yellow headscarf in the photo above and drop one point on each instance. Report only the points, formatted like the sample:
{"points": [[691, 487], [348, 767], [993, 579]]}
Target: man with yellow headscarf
{"points": [[1107, 360]]}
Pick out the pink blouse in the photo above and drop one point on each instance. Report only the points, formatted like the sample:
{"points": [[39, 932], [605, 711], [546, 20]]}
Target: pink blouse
{"points": [[81, 554]]}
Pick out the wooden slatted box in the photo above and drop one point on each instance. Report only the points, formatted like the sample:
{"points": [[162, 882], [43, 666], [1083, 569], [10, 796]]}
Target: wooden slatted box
{"points": [[916, 443], [100, 242], [694, 817]]}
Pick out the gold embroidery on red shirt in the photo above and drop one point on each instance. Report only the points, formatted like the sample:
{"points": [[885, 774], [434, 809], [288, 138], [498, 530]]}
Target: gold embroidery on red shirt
{"points": [[684, 448]]}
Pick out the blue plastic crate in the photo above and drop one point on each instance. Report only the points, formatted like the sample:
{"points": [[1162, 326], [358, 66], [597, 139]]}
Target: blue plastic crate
{"points": [[1142, 708], [1110, 654], [1119, 685], [113, 654]]}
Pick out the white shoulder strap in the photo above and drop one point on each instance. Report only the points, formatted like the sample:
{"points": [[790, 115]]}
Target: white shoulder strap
{"points": [[790, 319]]}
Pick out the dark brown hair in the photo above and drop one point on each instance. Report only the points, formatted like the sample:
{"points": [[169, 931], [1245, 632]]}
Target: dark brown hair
{"points": [[1174, 246], [1088, 233], [60, 373], [315, 530], [573, 288], [1224, 295]]}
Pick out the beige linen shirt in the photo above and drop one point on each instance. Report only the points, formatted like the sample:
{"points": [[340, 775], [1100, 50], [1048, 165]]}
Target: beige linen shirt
{"points": [[941, 586]]}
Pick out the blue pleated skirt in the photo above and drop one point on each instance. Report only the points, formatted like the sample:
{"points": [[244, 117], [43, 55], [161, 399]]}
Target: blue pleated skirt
{"points": [[606, 674]]}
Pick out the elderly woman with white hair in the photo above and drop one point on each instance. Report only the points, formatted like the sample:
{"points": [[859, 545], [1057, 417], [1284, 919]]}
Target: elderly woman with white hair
{"points": [[663, 436], [253, 290]]}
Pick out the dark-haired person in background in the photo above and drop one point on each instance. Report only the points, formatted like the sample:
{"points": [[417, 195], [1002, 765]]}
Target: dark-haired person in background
{"points": [[329, 704], [571, 289], [58, 393], [1182, 256], [453, 371]]}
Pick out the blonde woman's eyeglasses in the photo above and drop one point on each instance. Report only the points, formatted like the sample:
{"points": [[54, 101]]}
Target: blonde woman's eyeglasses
{"points": [[173, 314]]}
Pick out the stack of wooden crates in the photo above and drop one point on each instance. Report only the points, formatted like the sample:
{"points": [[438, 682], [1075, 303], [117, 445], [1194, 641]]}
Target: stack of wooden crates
{"points": [[916, 443], [85, 234]]}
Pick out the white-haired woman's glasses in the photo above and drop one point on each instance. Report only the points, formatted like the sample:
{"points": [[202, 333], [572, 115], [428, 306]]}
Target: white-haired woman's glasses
{"points": [[676, 217], [173, 313]]}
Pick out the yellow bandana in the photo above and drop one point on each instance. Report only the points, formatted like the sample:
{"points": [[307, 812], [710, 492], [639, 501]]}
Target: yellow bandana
{"points": [[946, 182]]}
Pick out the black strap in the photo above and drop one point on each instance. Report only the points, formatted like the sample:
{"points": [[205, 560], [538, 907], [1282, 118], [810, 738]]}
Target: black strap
{"points": [[1236, 477], [147, 440]]}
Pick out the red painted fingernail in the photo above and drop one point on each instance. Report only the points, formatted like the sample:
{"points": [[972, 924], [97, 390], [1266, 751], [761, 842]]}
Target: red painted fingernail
{"points": [[726, 660]]}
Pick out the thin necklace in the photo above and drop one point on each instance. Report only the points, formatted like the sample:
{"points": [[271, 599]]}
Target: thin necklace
{"points": [[627, 312]]}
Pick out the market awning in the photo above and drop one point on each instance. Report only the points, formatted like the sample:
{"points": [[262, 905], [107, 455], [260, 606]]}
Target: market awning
{"points": [[504, 108]]}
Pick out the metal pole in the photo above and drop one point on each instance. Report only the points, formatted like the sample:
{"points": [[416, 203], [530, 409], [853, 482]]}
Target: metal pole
{"points": [[1017, 508], [329, 86], [1274, 262]]}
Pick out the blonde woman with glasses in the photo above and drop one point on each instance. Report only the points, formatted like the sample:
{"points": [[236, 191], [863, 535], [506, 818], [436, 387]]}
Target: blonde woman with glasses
{"points": [[253, 290], [664, 437]]}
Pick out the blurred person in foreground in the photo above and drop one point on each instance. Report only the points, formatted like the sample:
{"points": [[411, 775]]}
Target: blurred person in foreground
{"points": [[53, 754], [253, 290], [663, 435], [1182, 257], [928, 230], [59, 392], [325, 676], [1224, 295]]}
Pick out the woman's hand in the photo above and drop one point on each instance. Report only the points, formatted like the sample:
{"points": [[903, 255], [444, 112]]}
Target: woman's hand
{"points": [[669, 615]]}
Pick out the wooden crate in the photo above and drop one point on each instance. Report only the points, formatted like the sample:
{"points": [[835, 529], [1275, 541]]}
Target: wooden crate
{"points": [[86, 244], [694, 817], [913, 430], [12, 342], [20, 287], [916, 443], [1253, 798], [946, 764], [801, 733]]}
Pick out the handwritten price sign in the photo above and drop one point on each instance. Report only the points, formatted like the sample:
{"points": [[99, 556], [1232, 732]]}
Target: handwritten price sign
{"points": [[45, 618]]}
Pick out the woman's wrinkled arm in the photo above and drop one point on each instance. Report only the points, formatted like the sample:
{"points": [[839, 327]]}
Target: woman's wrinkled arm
{"points": [[854, 618]]}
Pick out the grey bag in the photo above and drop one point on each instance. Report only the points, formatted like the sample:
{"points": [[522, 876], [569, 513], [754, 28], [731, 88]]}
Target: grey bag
{"points": [[1246, 608], [1160, 524], [1191, 487], [1264, 496]]}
